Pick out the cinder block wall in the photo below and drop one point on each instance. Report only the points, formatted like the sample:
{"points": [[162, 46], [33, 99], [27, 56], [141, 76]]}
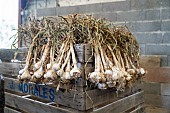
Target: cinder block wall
{"points": [[149, 20]]}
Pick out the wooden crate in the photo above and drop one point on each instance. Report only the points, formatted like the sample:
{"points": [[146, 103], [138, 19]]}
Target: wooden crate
{"points": [[79, 98]]}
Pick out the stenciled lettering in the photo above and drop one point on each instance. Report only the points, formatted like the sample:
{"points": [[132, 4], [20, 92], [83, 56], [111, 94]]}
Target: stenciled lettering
{"points": [[52, 95]]}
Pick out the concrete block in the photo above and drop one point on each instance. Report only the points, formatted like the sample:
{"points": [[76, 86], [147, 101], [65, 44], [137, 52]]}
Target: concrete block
{"points": [[165, 26], [166, 38], [168, 61], [150, 61], [116, 6], [90, 8], [66, 10], [164, 60], [157, 100], [152, 88], [131, 16], [109, 16], [165, 89], [157, 74], [152, 14], [148, 37], [165, 3], [51, 3], [32, 5], [144, 4], [165, 13], [41, 4], [142, 49], [146, 26], [46, 12], [157, 49]]}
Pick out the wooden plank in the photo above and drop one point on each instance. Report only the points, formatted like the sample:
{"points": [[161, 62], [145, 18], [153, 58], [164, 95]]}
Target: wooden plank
{"points": [[6, 55], [83, 53], [9, 110], [123, 104], [10, 68], [31, 106], [72, 98], [158, 74], [97, 97], [157, 100], [137, 109]]}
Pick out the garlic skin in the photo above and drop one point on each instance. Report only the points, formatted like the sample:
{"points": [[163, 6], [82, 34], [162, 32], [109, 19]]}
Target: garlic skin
{"points": [[50, 75], [25, 75], [56, 66], [37, 65], [75, 72], [102, 86], [128, 77], [39, 73], [142, 71], [66, 76], [60, 72], [21, 71], [49, 66], [95, 77]]}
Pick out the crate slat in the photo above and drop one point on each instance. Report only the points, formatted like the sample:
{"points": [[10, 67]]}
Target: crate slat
{"points": [[98, 97], [10, 110], [10, 68], [31, 106], [122, 104], [138, 109], [72, 98]]}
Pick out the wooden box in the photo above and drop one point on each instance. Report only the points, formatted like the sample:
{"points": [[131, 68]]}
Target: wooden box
{"points": [[79, 97]]}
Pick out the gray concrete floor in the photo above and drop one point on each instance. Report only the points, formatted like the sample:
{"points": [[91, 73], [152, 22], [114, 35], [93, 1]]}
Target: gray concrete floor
{"points": [[152, 109]]}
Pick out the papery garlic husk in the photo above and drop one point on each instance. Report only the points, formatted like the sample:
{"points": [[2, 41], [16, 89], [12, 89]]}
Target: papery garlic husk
{"points": [[65, 77], [60, 72], [131, 71], [21, 71], [102, 86], [116, 73], [128, 77], [142, 71], [39, 73], [95, 77], [25, 75], [37, 65], [33, 79], [111, 84], [75, 72], [50, 75], [49, 66], [56, 66]]}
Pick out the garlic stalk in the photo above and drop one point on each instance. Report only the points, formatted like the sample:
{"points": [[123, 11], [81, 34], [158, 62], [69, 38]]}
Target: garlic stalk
{"points": [[66, 75], [61, 71], [57, 64], [75, 72], [108, 71], [39, 73], [24, 74], [50, 74]]}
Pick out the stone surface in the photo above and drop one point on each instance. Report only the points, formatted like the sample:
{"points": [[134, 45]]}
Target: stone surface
{"points": [[157, 49], [165, 89], [149, 37], [145, 4], [157, 74], [150, 61]]}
